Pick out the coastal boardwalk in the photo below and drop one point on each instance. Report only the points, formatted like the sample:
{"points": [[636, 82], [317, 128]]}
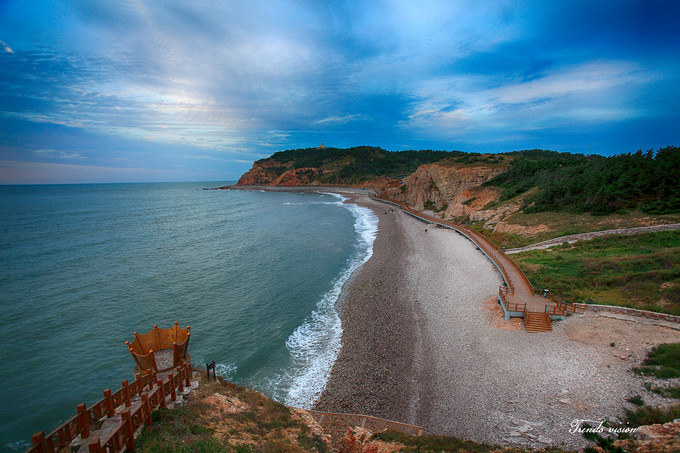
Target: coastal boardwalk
{"points": [[518, 298]]}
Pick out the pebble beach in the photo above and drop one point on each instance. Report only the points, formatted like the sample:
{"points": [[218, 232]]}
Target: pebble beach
{"points": [[424, 343]]}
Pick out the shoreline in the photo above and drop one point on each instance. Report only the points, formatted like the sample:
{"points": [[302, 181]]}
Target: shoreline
{"points": [[424, 343], [333, 189], [374, 369]]}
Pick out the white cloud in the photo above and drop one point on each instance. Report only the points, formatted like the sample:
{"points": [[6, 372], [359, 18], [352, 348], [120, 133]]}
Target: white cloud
{"points": [[340, 119], [5, 47], [597, 91], [57, 153]]}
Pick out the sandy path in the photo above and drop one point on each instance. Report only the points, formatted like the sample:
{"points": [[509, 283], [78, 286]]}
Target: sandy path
{"points": [[424, 343], [585, 236]]}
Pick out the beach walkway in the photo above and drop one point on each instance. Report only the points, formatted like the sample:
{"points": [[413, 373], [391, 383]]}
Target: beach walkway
{"points": [[518, 297]]}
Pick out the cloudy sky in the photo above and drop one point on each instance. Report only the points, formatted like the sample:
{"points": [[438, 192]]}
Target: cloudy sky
{"points": [[141, 90]]}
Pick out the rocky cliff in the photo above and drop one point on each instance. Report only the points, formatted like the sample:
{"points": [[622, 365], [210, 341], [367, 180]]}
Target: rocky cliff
{"points": [[451, 190], [264, 172], [273, 173]]}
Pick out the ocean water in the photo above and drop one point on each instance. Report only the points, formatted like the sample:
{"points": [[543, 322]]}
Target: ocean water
{"points": [[256, 275]]}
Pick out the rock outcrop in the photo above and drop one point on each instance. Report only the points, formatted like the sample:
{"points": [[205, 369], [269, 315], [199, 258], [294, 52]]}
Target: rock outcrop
{"points": [[359, 440], [272, 173], [451, 191], [454, 189], [653, 439], [298, 177], [263, 173]]}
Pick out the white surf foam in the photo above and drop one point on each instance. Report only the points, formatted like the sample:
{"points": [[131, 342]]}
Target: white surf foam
{"points": [[339, 201], [314, 346], [225, 370]]}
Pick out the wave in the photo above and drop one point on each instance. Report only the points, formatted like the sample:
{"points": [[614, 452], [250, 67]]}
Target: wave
{"points": [[225, 370], [314, 346], [290, 203]]}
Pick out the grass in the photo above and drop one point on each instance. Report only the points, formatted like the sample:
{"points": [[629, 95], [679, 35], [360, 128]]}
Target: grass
{"points": [[259, 425], [178, 430], [638, 271], [648, 415], [500, 239], [637, 400], [557, 224], [666, 392], [663, 362]]}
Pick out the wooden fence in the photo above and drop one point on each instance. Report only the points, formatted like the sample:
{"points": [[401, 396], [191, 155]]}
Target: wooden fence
{"points": [[152, 393], [519, 271], [336, 424], [510, 306], [557, 310]]}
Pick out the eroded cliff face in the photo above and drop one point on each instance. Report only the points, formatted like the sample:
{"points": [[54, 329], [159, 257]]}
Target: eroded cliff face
{"points": [[452, 191], [453, 188], [263, 173], [298, 177], [271, 173]]}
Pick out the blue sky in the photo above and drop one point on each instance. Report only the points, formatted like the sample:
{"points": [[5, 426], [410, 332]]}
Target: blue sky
{"points": [[136, 90]]}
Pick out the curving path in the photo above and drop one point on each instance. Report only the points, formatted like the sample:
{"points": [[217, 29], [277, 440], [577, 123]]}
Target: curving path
{"points": [[590, 235]]}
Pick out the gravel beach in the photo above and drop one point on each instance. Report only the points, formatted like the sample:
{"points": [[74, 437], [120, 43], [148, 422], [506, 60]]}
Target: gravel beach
{"points": [[424, 343]]}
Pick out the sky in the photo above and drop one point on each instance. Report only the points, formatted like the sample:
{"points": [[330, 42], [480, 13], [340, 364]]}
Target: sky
{"points": [[137, 90]]}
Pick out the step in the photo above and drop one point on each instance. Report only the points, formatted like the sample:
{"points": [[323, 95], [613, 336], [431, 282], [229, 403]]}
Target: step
{"points": [[537, 322]]}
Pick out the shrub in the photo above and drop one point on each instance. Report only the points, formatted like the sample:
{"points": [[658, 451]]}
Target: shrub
{"points": [[663, 361]]}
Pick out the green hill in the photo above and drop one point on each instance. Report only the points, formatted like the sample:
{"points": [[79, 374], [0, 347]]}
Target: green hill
{"points": [[563, 182], [354, 165], [649, 181]]}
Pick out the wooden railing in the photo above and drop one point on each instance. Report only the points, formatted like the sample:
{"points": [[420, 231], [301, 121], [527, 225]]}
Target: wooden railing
{"points": [[152, 393], [566, 305], [510, 306], [556, 310], [519, 271], [570, 306], [517, 307], [337, 424]]}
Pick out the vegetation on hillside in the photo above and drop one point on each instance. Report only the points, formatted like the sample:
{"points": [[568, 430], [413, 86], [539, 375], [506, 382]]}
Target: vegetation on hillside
{"points": [[357, 164], [638, 271], [224, 417], [541, 226], [648, 180], [459, 159], [663, 361]]}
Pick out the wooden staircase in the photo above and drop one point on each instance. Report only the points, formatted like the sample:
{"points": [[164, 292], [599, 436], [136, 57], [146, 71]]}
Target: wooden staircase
{"points": [[537, 322]]}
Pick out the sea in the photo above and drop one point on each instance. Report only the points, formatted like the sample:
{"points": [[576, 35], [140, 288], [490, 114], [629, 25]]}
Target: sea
{"points": [[257, 275]]}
